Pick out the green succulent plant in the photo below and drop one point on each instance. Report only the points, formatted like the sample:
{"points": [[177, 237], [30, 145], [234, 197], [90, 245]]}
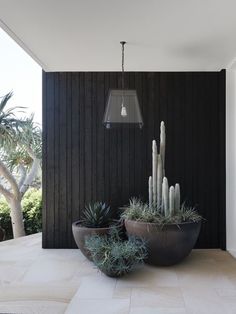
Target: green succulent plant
{"points": [[114, 256], [97, 215], [140, 211]]}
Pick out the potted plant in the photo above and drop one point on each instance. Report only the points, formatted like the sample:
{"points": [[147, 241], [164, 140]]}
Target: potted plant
{"points": [[97, 218], [169, 238], [171, 230], [113, 256]]}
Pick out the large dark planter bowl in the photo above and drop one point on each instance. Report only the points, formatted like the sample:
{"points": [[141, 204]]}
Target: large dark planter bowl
{"points": [[80, 233], [167, 245]]}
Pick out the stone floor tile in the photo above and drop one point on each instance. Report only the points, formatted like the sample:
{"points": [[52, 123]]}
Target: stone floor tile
{"points": [[96, 306], [122, 292], [33, 307], [203, 301], [151, 310], [157, 297], [96, 287]]}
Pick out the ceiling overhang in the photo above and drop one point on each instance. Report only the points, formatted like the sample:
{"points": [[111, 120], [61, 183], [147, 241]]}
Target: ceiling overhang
{"points": [[78, 35]]}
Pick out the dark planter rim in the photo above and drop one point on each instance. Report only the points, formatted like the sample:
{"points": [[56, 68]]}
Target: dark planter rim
{"points": [[78, 224], [169, 224]]}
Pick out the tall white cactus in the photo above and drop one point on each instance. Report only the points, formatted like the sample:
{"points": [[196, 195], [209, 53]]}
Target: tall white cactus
{"points": [[159, 180], [154, 171], [168, 200], [177, 197], [163, 145], [165, 196], [172, 201], [150, 191]]}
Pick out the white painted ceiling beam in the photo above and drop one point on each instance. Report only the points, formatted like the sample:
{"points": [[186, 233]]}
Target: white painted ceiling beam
{"points": [[161, 35]]}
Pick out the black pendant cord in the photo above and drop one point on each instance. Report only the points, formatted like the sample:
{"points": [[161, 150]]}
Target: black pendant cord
{"points": [[122, 64]]}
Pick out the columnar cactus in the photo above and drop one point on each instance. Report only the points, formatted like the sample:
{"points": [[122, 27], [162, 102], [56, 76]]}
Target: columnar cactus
{"points": [[154, 171], [172, 201], [150, 191], [165, 196], [159, 180], [163, 145], [165, 199], [177, 197]]}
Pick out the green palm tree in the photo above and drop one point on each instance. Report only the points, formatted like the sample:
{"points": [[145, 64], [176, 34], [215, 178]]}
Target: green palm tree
{"points": [[10, 126], [20, 154]]}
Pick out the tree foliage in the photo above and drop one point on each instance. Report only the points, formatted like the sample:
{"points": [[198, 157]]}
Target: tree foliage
{"points": [[32, 213], [20, 159]]}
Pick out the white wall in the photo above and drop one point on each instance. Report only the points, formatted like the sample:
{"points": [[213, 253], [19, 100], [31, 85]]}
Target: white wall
{"points": [[231, 159]]}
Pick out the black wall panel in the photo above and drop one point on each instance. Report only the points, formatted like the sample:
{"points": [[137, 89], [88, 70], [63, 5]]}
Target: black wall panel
{"points": [[83, 162]]}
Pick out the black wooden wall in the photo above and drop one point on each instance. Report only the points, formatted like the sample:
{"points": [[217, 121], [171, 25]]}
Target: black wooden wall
{"points": [[83, 162]]}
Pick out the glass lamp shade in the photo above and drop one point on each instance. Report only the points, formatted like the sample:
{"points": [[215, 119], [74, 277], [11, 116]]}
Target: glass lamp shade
{"points": [[122, 108]]}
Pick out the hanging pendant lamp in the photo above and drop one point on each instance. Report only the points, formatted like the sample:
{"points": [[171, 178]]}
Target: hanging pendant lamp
{"points": [[122, 105]]}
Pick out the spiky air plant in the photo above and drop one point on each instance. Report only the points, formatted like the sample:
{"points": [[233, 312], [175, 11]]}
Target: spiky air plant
{"points": [[114, 256], [140, 211], [97, 215]]}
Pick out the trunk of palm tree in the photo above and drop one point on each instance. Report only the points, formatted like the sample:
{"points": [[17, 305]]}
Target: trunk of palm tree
{"points": [[17, 218], [30, 177]]}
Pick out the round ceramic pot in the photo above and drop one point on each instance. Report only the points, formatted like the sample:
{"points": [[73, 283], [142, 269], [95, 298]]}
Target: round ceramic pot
{"points": [[112, 274], [80, 233], [167, 245]]}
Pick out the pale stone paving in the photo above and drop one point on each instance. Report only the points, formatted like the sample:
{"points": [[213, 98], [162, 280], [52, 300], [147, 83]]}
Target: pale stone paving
{"points": [[36, 280]]}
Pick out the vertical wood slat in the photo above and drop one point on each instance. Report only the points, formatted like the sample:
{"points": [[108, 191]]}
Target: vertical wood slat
{"points": [[100, 108], [48, 153], [113, 152], [138, 142], [81, 104], [56, 162], [88, 136], [83, 162], [69, 155], [75, 148], [222, 158], [106, 156], [63, 196]]}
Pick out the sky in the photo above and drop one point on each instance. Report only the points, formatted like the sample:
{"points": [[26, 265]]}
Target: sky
{"points": [[22, 75]]}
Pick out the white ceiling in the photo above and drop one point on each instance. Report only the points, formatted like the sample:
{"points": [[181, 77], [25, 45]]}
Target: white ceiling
{"points": [[161, 35]]}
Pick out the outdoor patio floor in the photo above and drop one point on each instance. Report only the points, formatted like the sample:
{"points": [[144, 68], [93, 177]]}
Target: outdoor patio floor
{"points": [[36, 280]]}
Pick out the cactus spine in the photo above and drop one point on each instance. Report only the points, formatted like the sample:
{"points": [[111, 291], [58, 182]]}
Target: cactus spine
{"points": [[165, 199]]}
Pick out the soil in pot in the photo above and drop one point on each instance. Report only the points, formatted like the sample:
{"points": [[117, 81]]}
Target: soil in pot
{"points": [[167, 245]]}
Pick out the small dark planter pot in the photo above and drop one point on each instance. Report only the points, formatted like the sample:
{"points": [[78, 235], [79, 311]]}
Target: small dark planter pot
{"points": [[168, 245], [112, 274], [2, 234], [80, 233]]}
